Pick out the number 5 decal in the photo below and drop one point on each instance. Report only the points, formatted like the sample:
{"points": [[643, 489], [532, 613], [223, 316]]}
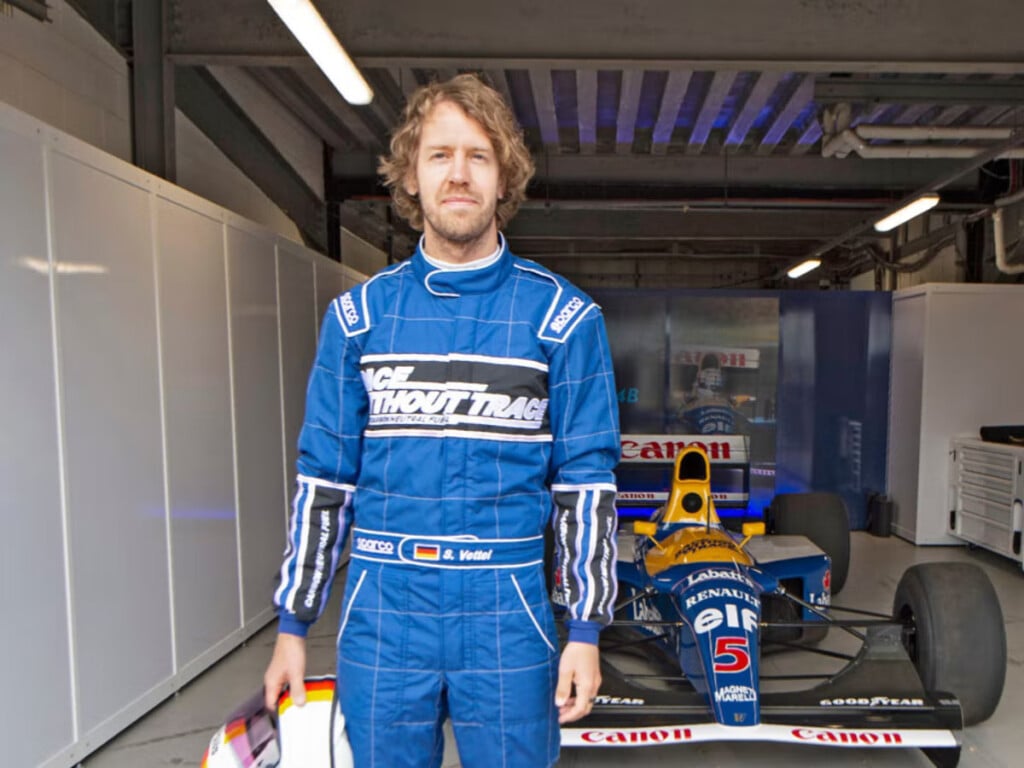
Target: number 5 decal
{"points": [[731, 654]]}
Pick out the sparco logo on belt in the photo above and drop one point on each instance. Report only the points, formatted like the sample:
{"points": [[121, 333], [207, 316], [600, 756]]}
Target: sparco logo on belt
{"points": [[374, 545]]}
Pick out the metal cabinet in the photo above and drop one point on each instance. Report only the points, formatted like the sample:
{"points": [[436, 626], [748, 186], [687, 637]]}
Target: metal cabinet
{"points": [[986, 495]]}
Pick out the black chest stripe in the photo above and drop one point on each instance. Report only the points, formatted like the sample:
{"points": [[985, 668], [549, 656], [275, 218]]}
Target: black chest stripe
{"points": [[477, 394]]}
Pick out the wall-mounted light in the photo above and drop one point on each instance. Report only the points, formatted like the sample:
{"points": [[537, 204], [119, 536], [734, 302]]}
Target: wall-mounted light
{"points": [[323, 47], [907, 212], [803, 268]]}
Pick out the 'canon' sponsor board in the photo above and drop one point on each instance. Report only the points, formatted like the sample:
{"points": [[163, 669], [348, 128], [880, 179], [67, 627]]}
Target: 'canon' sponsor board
{"points": [[701, 732], [725, 449], [727, 358], [634, 736]]}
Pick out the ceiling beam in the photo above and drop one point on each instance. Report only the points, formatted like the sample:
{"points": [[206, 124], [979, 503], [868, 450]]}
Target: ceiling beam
{"points": [[579, 225], [918, 91], [205, 102], [289, 89], [355, 119], [756, 101], [629, 103], [586, 109], [867, 35], [152, 81], [782, 122], [37, 9], [499, 82], [668, 112], [676, 171], [721, 84], [544, 101]]}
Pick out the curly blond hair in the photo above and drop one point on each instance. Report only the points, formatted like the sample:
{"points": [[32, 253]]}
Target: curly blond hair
{"points": [[485, 105]]}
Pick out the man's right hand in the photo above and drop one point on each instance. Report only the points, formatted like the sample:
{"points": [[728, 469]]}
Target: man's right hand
{"points": [[287, 666]]}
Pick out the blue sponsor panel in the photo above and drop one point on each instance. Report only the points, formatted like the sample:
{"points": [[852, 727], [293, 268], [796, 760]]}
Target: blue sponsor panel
{"points": [[833, 405]]}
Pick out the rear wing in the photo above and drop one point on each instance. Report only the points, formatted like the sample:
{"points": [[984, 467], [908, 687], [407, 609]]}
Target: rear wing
{"points": [[644, 474]]}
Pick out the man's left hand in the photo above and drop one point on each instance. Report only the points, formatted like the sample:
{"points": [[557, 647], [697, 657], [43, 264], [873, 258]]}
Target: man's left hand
{"points": [[580, 665]]}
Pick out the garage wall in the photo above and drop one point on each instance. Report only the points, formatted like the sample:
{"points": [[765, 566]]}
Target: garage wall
{"points": [[156, 348], [64, 73]]}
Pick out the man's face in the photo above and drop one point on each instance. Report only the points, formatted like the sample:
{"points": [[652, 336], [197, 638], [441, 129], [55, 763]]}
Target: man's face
{"points": [[457, 179]]}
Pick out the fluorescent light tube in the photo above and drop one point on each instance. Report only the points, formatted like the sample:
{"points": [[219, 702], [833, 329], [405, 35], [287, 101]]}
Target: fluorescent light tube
{"points": [[804, 267], [323, 47], [907, 212]]}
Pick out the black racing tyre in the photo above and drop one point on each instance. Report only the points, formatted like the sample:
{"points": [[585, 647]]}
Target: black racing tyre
{"points": [[953, 632], [822, 518]]}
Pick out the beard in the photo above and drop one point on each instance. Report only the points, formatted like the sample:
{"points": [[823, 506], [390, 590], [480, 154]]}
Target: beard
{"points": [[460, 227]]}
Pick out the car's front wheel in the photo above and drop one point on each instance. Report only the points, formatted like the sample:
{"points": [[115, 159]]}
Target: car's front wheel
{"points": [[953, 632]]}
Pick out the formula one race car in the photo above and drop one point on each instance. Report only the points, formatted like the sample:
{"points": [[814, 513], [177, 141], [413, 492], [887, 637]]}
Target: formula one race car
{"points": [[709, 606]]}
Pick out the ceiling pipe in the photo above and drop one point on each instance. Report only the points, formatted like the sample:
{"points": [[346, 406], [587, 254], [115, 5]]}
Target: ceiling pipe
{"points": [[842, 143], [933, 132]]}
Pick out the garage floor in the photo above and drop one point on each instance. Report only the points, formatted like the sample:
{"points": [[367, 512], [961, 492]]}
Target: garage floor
{"points": [[176, 733]]}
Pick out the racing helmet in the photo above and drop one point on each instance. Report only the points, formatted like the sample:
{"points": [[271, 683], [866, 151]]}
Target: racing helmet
{"points": [[310, 736], [710, 381]]}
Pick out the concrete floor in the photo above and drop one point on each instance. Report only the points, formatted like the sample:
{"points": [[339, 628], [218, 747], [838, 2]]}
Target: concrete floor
{"points": [[176, 733]]}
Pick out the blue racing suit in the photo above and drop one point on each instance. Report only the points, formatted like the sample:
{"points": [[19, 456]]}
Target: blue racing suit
{"points": [[451, 414]]}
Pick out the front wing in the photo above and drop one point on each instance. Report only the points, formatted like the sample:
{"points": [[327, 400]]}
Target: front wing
{"points": [[875, 701]]}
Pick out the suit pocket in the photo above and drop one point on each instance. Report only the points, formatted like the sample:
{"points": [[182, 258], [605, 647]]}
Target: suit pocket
{"points": [[530, 613]]}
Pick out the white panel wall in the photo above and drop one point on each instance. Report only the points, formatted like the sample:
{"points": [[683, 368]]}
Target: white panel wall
{"points": [[956, 366], [297, 299], [153, 345], [32, 564], [262, 494], [199, 448], [106, 332]]}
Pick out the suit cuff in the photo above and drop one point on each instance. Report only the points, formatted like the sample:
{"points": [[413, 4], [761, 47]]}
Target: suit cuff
{"points": [[583, 631], [289, 625]]}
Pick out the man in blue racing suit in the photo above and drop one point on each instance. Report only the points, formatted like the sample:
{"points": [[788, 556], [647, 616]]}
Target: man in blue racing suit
{"points": [[459, 402]]}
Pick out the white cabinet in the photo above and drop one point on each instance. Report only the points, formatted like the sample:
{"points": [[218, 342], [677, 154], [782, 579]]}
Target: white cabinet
{"points": [[957, 364], [986, 495]]}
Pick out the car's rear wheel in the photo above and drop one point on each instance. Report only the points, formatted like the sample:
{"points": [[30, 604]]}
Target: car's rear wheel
{"points": [[953, 632], [822, 518]]}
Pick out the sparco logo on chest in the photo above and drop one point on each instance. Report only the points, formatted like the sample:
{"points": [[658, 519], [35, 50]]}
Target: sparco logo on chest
{"points": [[349, 308], [566, 314]]}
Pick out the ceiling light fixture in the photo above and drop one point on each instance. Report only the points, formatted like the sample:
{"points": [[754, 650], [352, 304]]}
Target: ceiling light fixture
{"points": [[803, 268], [907, 212], [323, 47]]}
